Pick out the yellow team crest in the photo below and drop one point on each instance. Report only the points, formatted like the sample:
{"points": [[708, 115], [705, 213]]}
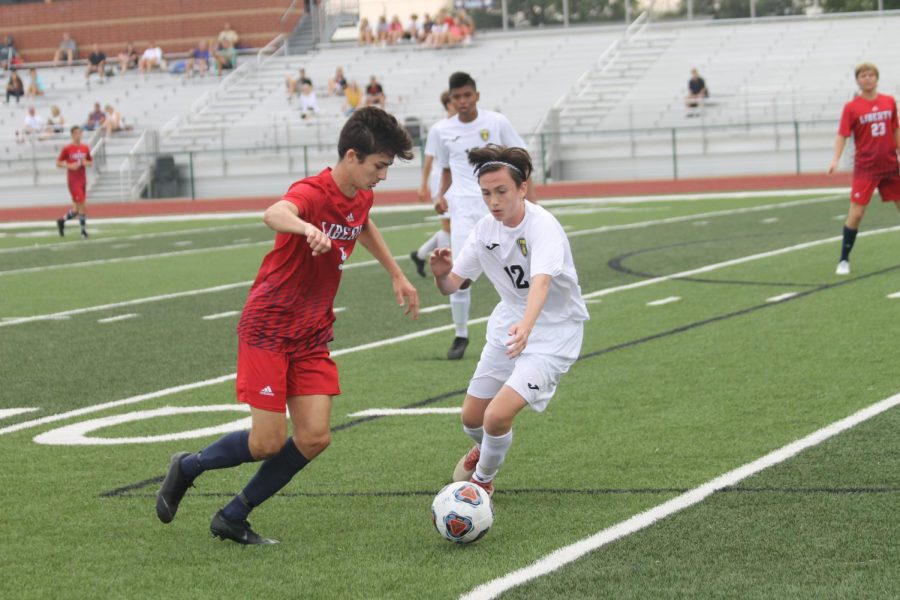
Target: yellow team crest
{"points": [[485, 134], [522, 246]]}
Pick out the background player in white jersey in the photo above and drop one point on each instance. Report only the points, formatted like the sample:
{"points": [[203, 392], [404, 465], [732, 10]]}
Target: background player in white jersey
{"points": [[470, 128], [534, 334], [430, 188]]}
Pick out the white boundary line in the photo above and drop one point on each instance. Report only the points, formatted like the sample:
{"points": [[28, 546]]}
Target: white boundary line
{"points": [[402, 412], [572, 552], [117, 318], [662, 301]]}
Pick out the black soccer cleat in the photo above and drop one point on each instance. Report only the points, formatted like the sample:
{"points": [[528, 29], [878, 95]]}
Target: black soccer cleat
{"points": [[420, 264], [84, 235], [457, 348], [61, 225], [172, 489], [236, 531]]}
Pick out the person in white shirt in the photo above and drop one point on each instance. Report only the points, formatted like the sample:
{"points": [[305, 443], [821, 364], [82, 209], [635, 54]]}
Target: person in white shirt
{"points": [[33, 125], [151, 58], [309, 104], [460, 194], [534, 333]]}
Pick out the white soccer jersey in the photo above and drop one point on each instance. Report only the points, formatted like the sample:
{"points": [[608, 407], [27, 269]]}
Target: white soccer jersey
{"points": [[456, 139], [431, 149], [510, 257]]}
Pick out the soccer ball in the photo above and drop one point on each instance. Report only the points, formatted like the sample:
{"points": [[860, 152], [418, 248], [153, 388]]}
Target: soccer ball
{"points": [[462, 512]]}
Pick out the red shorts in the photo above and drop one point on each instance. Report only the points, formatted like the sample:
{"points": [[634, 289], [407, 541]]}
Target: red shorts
{"points": [[864, 186], [79, 193], [266, 379]]}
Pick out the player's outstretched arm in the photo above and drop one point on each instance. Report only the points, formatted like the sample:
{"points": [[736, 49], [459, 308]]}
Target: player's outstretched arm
{"points": [[404, 291], [426, 173], [537, 296], [839, 143], [284, 217], [445, 279]]}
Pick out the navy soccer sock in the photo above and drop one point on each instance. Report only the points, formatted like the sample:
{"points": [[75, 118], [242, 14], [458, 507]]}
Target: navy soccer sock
{"points": [[849, 240], [83, 221], [272, 475], [70, 214], [228, 451]]}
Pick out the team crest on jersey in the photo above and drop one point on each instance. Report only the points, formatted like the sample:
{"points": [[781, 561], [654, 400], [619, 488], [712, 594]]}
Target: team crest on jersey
{"points": [[485, 134], [523, 247]]}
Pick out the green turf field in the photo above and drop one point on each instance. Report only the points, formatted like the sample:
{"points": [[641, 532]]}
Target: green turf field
{"points": [[718, 334]]}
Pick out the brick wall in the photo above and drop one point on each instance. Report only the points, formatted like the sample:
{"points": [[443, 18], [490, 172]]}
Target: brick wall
{"points": [[175, 25]]}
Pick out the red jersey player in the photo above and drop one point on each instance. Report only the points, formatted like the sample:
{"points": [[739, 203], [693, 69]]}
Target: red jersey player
{"points": [[283, 358], [74, 158], [871, 118]]}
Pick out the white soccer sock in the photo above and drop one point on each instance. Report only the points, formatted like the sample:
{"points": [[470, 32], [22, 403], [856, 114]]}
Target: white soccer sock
{"points": [[443, 239], [425, 249], [476, 434], [493, 452], [459, 308]]}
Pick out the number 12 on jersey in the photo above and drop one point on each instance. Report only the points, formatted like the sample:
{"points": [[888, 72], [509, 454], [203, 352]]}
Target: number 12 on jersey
{"points": [[517, 276]]}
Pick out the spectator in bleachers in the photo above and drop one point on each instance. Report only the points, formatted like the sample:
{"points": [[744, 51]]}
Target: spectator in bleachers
{"points": [[366, 35], [113, 121], [33, 125], [128, 58], [225, 57], [438, 33], [14, 87], [375, 93], [96, 64], [337, 83], [199, 59], [697, 93], [465, 23], [55, 122], [228, 35], [151, 58], [95, 118], [8, 53], [381, 30], [294, 84], [309, 104], [412, 29], [67, 48], [425, 28], [35, 85], [352, 97], [395, 30]]}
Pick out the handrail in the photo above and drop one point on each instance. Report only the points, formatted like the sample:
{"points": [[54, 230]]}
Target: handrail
{"points": [[288, 11]]}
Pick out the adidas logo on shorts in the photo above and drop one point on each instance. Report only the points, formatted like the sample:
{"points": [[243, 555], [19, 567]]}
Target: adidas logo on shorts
{"points": [[266, 391]]}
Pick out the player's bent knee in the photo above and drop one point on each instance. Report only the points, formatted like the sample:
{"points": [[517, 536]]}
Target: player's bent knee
{"points": [[263, 448], [496, 423], [312, 444]]}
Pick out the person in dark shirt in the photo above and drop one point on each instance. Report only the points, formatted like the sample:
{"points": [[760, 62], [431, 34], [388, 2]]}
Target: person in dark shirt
{"points": [[374, 93], [96, 64], [697, 93]]}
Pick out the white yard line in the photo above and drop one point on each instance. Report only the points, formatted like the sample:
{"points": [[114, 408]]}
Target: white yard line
{"points": [[117, 318], [572, 552], [435, 308], [894, 296], [399, 412], [11, 412], [221, 315], [781, 297], [661, 301]]}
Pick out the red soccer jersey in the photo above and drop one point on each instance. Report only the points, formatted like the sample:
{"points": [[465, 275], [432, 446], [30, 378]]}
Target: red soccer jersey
{"points": [[76, 153], [290, 306], [872, 123]]}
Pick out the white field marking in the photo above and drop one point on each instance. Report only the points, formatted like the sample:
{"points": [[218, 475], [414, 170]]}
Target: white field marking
{"points": [[894, 296], [210, 290], [140, 257], [117, 318], [839, 217], [435, 308], [221, 315], [661, 301], [715, 213], [183, 243], [729, 263], [53, 318], [700, 223], [120, 246], [769, 221], [11, 412], [593, 301], [340, 309], [242, 241], [137, 236], [76, 434], [781, 297], [389, 341], [398, 412], [589, 210], [572, 552]]}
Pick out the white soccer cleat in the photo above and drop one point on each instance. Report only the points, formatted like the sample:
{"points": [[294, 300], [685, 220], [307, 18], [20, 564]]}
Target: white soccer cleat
{"points": [[465, 468], [843, 268]]}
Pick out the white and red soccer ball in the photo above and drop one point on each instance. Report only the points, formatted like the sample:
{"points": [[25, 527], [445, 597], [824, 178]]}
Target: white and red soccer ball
{"points": [[462, 512]]}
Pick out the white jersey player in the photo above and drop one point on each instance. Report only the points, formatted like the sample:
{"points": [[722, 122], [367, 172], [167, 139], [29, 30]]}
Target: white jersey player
{"points": [[470, 128], [534, 334]]}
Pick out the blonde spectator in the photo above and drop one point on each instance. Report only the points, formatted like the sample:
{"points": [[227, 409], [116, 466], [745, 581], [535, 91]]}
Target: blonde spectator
{"points": [[55, 122], [366, 36], [395, 30], [151, 58], [228, 35], [337, 83], [35, 85], [113, 121], [381, 30], [352, 97]]}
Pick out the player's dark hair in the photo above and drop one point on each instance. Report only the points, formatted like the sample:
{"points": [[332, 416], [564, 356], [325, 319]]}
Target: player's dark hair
{"points": [[74, 127], [445, 99], [494, 157], [371, 130], [460, 80]]}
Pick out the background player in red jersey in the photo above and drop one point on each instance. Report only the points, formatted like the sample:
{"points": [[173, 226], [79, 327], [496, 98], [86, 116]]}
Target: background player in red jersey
{"points": [[871, 118], [283, 358], [75, 157]]}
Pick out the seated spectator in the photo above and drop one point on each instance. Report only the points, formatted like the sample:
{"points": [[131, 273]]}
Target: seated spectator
{"points": [[225, 57], [113, 121], [375, 93], [337, 83], [366, 35], [9, 56], [14, 87], [151, 58], [95, 118], [412, 29], [465, 23], [309, 105], [381, 30], [67, 48], [34, 125], [352, 97], [35, 85], [128, 58], [395, 30], [426, 27], [96, 63], [228, 35], [697, 93], [438, 35], [294, 84], [199, 59], [55, 122]]}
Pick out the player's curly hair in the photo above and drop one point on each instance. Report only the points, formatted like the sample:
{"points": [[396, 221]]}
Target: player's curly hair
{"points": [[371, 130], [494, 157]]}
